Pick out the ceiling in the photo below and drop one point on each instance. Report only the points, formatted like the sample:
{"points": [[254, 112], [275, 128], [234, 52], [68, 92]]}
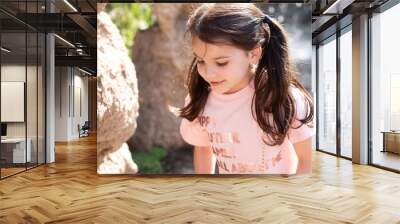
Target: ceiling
{"points": [[330, 15], [74, 22]]}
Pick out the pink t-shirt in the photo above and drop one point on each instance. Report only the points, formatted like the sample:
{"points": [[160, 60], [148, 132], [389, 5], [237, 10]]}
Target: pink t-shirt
{"points": [[228, 126]]}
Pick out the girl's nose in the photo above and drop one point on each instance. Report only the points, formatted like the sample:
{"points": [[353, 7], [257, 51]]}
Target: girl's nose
{"points": [[210, 73]]}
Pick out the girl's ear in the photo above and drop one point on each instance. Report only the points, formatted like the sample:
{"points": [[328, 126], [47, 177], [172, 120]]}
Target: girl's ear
{"points": [[255, 54]]}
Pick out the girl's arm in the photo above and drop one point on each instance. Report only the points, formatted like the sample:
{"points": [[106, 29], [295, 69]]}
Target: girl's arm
{"points": [[203, 160], [304, 153]]}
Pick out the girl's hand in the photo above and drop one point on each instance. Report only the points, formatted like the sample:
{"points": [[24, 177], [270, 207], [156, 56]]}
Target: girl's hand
{"points": [[203, 160], [304, 153]]}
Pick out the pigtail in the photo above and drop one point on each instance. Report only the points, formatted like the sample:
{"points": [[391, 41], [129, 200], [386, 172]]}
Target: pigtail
{"points": [[275, 108]]}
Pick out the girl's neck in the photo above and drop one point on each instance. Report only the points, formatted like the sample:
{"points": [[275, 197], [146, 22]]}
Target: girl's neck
{"points": [[242, 85], [233, 95]]}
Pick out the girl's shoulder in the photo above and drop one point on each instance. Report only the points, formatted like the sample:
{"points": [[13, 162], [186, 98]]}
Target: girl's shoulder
{"points": [[302, 106], [295, 92]]}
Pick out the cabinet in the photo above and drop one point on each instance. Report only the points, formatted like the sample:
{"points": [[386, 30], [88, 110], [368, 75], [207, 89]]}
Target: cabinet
{"points": [[391, 141]]}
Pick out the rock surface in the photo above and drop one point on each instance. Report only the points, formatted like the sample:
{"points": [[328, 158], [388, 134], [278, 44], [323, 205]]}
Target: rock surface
{"points": [[117, 99], [116, 162], [162, 58]]}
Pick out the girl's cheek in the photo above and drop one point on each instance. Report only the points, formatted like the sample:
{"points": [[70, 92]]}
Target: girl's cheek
{"points": [[228, 72], [200, 69]]}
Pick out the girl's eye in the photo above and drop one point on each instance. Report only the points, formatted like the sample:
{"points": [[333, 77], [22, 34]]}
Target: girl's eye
{"points": [[222, 63]]}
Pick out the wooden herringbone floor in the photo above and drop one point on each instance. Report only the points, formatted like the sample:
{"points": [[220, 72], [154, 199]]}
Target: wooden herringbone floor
{"points": [[70, 191]]}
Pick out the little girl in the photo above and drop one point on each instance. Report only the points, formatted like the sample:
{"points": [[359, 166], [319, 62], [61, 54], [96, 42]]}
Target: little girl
{"points": [[246, 111]]}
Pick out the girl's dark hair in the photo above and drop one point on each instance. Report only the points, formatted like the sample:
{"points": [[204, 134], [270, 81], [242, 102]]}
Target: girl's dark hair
{"points": [[245, 26]]}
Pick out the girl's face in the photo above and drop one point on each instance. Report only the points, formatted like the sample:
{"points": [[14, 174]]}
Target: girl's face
{"points": [[225, 67]]}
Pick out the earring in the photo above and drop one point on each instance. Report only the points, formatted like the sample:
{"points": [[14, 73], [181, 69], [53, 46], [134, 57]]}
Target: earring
{"points": [[252, 67]]}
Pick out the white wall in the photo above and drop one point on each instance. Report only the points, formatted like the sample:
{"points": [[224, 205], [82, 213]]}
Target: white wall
{"points": [[71, 94], [33, 126], [80, 102], [13, 73], [62, 81]]}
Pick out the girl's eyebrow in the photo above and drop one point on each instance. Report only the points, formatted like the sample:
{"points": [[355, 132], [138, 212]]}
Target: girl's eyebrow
{"points": [[216, 58]]}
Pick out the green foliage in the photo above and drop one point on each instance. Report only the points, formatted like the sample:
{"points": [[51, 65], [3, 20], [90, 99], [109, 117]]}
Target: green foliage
{"points": [[150, 162], [130, 18]]}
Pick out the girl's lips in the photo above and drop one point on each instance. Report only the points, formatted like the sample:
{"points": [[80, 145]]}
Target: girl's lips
{"points": [[216, 83]]}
